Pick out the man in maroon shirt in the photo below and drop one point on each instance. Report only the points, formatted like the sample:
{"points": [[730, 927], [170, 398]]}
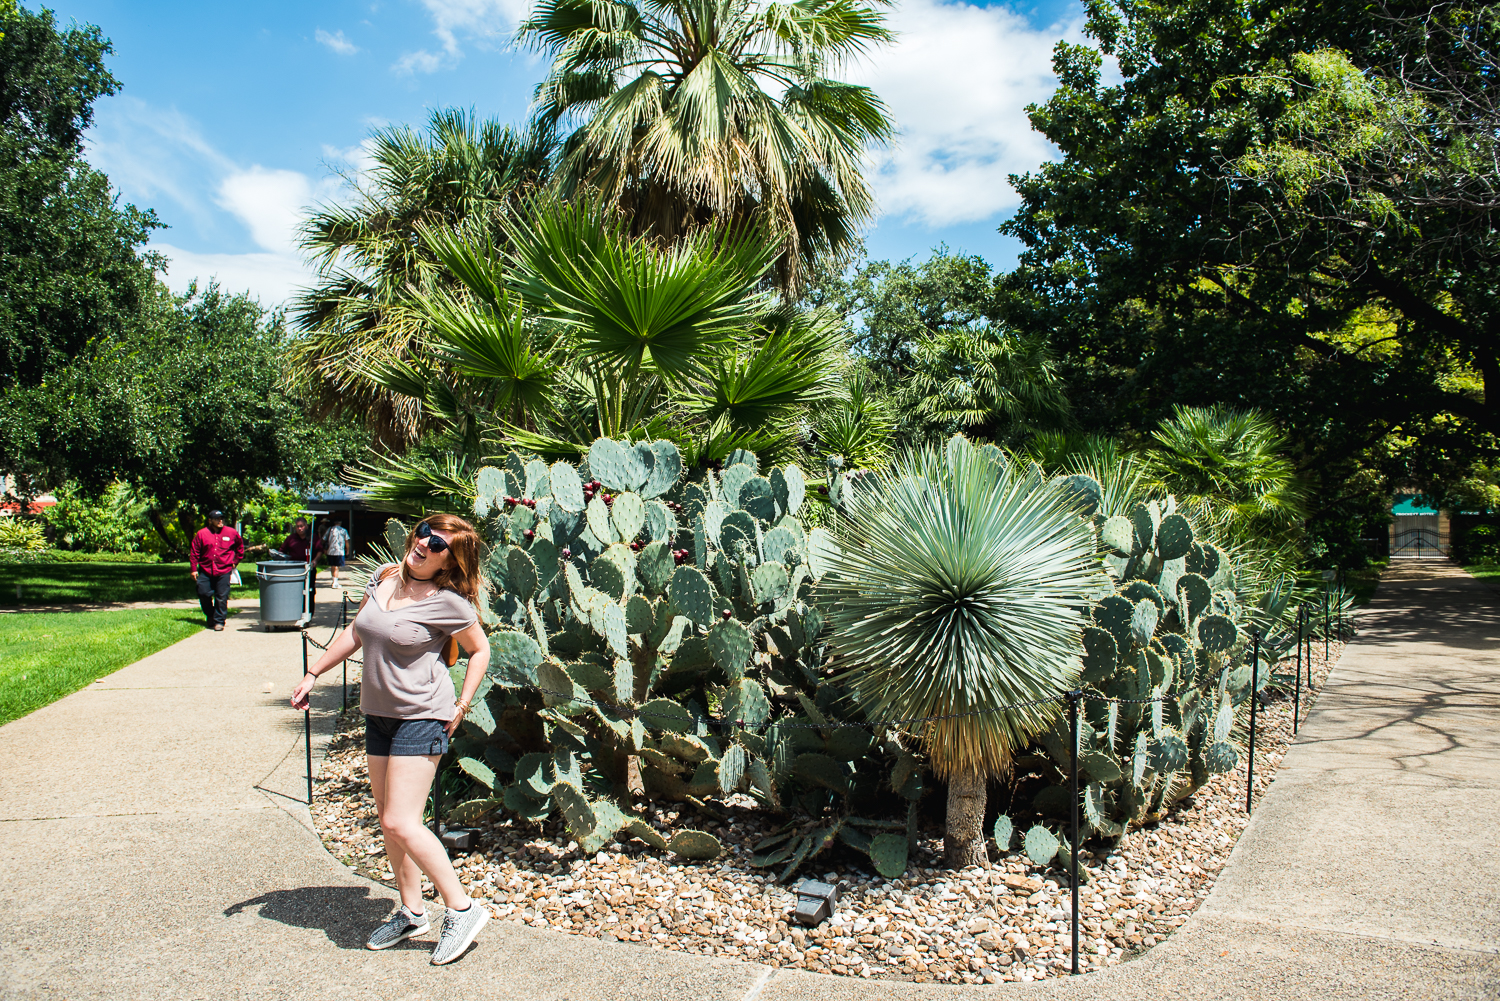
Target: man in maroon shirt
{"points": [[215, 552], [303, 547]]}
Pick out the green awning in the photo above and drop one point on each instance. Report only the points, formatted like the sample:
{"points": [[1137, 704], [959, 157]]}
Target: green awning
{"points": [[1412, 504]]}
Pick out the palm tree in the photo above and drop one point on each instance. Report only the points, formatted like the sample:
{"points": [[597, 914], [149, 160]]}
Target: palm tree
{"points": [[575, 329], [985, 380], [1231, 464], [957, 591], [691, 112], [370, 259]]}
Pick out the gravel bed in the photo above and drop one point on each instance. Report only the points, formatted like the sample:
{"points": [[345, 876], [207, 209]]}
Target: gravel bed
{"points": [[1006, 922]]}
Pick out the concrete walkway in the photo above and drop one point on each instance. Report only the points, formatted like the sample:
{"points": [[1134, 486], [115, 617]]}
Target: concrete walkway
{"points": [[152, 845]]}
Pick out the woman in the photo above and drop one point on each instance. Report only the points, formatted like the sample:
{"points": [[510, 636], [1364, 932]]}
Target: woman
{"points": [[409, 613]]}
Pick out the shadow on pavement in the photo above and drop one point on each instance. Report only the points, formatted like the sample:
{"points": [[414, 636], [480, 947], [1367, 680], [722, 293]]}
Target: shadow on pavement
{"points": [[346, 914]]}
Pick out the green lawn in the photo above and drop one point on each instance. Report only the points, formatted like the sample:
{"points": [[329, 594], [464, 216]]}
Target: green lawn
{"points": [[60, 583], [46, 655], [1490, 570]]}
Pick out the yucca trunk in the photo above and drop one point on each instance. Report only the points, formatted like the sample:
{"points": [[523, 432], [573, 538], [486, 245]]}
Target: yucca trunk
{"points": [[963, 842]]}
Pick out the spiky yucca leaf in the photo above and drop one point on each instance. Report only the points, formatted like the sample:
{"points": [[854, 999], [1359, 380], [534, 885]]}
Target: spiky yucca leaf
{"points": [[956, 591]]}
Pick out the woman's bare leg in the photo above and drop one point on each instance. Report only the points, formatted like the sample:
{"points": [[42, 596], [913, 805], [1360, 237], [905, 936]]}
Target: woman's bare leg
{"points": [[408, 875], [408, 778]]}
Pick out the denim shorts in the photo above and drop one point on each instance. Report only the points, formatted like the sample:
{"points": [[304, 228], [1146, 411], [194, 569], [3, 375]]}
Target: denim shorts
{"points": [[385, 736]]}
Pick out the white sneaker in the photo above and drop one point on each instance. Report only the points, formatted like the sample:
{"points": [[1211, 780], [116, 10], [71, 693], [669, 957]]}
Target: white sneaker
{"points": [[337, 586], [398, 928], [459, 930]]}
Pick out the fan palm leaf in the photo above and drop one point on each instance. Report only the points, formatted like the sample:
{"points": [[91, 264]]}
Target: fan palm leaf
{"points": [[957, 594]]}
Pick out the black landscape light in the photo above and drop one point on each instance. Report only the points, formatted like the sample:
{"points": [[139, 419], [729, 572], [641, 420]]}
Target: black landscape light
{"points": [[815, 902]]}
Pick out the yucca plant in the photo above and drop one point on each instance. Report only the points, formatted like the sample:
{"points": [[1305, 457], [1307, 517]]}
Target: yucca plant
{"points": [[957, 590]]}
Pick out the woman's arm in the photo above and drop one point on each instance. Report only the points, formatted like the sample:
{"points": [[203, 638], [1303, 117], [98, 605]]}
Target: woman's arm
{"points": [[342, 648], [477, 643]]}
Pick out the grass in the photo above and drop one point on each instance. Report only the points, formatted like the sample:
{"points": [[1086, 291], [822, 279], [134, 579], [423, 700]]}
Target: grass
{"points": [[67, 583], [46, 655], [1483, 571], [1361, 583]]}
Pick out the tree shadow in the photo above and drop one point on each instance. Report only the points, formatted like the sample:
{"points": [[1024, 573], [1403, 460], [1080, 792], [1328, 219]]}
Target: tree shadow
{"points": [[346, 914]]}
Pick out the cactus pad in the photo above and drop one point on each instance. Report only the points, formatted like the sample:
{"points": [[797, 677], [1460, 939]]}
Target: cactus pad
{"points": [[747, 701], [1143, 622], [661, 523], [1114, 614], [692, 595], [1119, 535], [1174, 539], [654, 566], [1083, 493], [1100, 655], [695, 845], [520, 574], [1004, 832], [664, 714], [769, 582], [628, 516], [1220, 757], [757, 497], [1140, 590], [1216, 633], [567, 488], [889, 853], [614, 630], [1169, 753], [597, 514], [731, 646], [1203, 560], [618, 466], [1198, 594], [1145, 530], [789, 488], [733, 478], [665, 469], [1040, 845], [778, 542], [642, 831], [513, 659], [731, 769]]}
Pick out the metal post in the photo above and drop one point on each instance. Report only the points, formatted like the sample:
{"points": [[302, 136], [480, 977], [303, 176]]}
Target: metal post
{"points": [[343, 618], [1325, 623], [1073, 698], [1297, 697], [307, 724], [437, 799], [1254, 698]]}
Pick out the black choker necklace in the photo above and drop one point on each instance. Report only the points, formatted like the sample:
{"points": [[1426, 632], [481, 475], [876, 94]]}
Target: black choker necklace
{"points": [[423, 579]]}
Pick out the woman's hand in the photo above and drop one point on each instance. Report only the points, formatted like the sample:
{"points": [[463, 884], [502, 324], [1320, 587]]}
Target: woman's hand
{"points": [[451, 727], [299, 694]]}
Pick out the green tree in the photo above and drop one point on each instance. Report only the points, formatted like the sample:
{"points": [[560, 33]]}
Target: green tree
{"points": [[955, 595], [461, 173], [716, 112], [1164, 272], [69, 268], [186, 408]]}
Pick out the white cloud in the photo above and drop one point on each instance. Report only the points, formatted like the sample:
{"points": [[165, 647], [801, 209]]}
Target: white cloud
{"points": [[337, 42], [481, 20], [957, 80], [158, 157], [272, 278]]}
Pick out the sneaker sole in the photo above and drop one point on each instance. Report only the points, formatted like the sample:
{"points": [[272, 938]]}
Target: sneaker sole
{"points": [[468, 940], [400, 938]]}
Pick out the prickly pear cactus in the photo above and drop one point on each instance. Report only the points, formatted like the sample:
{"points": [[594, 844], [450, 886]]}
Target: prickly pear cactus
{"points": [[1166, 624], [630, 601]]}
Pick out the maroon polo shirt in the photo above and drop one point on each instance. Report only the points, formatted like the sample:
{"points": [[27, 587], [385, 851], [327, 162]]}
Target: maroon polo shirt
{"points": [[216, 552]]}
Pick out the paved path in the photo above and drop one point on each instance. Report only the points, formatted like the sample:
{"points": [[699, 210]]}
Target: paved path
{"points": [[152, 846]]}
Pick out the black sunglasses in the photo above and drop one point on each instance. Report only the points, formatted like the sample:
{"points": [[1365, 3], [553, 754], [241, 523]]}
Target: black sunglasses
{"points": [[434, 543]]}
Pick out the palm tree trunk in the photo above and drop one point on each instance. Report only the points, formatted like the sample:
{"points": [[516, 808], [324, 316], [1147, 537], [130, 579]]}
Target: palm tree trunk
{"points": [[963, 842]]}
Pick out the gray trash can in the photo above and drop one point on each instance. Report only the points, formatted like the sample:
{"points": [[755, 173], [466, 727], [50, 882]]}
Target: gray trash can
{"points": [[283, 588]]}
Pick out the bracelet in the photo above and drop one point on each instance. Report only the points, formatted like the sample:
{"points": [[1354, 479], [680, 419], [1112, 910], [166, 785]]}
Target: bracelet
{"points": [[462, 705]]}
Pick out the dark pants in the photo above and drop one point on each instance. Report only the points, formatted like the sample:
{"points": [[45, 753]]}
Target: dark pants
{"points": [[213, 595]]}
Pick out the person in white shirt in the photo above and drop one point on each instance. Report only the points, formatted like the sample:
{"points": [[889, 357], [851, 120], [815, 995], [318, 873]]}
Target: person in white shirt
{"points": [[336, 548]]}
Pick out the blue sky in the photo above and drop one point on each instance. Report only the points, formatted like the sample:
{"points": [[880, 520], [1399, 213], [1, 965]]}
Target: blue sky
{"points": [[233, 119]]}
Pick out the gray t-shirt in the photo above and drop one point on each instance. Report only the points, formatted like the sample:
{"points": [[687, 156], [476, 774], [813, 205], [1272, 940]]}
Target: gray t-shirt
{"points": [[404, 674]]}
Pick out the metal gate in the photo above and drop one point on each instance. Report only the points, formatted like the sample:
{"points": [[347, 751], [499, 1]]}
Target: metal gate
{"points": [[1416, 536]]}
